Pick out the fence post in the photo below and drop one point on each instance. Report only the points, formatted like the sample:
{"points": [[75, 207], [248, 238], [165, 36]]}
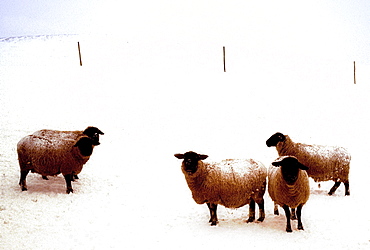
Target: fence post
{"points": [[354, 72], [224, 58], [79, 53]]}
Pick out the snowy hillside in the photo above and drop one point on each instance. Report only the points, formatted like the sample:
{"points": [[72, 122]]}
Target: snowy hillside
{"points": [[153, 99]]}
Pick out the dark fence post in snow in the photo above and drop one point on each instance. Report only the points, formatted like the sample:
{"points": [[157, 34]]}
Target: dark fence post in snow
{"points": [[354, 72], [79, 53], [224, 59]]}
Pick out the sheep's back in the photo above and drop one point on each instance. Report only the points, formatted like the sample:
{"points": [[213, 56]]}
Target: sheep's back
{"points": [[56, 134], [285, 194], [234, 182]]}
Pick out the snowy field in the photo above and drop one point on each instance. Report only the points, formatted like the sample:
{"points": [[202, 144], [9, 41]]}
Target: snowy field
{"points": [[153, 99]]}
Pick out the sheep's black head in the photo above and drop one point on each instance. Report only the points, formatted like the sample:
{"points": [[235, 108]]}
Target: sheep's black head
{"points": [[290, 167], [85, 145], [93, 133], [191, 160], [275, 139]]}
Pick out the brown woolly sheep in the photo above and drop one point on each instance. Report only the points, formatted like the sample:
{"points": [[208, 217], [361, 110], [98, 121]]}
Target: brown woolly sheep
{"points": [[231, 183], [324, 162], [288, 187], [92, 132], [52, 157]]}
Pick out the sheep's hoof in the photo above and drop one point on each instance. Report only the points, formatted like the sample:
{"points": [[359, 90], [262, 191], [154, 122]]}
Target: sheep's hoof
{"points": [[250, 219], [276, 212], [261, 219], [24, 188], [330, 193], [289, 230], [300, 227], [347, 194], [69, 190], [214, 223], [45, 177]]}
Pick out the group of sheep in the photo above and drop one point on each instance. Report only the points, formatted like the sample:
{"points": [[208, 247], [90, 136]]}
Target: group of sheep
{"points": [[232, 183], [51, 152], [235, 183]]}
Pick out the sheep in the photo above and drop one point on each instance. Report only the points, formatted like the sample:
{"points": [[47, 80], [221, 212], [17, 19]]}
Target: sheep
{"points": [[53, 156], [288, 186], [324, 162], [90, 131], [231, 183]]}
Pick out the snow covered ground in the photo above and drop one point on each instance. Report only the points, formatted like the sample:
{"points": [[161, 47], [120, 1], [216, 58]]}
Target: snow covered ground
{"points": [[153, 99]]}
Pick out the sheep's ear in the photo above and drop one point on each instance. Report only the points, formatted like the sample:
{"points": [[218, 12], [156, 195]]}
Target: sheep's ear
{"points": [[276, 163], [283, 159], [203, 157], [179, 156], [303, 167]]}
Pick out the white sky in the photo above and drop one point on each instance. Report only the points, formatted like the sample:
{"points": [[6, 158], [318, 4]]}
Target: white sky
{"points": [[337, 25]]}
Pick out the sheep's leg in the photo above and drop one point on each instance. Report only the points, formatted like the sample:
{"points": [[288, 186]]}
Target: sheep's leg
{"points": [[346, 185], [299, 210], [213, 211], [74, 177], [68, 178], [252, 213], [45, 177], [287, 214], [261, 207], [334, 188], [22, 181], [276, 209], [292, 214]]}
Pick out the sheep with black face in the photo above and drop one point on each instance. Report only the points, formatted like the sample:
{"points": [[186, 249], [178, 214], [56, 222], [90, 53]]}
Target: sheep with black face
{"points": [[52, 157], [288, 186], [324, 162], [231, 183], [91, 132]]}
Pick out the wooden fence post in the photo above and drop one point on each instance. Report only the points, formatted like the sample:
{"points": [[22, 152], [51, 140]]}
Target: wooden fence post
{"points": [[354, 72], [79, 53], [224, 59]]}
